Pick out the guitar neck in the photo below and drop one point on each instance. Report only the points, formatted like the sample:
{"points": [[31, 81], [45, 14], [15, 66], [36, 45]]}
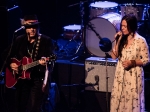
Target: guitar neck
{"points": [[30, 65]]}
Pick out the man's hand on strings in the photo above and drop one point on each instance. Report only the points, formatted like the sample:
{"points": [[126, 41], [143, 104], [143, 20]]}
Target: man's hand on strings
{"points": [[43, 61], [14, 67]]}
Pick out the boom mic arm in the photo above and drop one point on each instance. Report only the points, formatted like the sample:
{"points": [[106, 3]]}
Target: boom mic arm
{"points": [[105, 44], [91, 27]]}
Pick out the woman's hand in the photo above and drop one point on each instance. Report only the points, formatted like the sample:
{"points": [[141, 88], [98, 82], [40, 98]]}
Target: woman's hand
{"points": [[127, 64], [118, 36]]}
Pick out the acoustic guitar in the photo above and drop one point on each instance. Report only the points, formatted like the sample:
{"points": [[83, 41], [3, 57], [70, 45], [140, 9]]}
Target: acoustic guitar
{"points": [[24, 69]]}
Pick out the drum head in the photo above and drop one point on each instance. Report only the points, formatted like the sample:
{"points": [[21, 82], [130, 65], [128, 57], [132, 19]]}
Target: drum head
{"points": [[105, 29], [72, 27], [104, 4]]}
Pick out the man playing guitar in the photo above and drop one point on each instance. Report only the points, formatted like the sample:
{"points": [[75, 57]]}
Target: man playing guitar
{"points": [[28, 69]]}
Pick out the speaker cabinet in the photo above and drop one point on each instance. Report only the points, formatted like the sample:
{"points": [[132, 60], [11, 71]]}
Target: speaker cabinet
{"points": [[97, 71]]}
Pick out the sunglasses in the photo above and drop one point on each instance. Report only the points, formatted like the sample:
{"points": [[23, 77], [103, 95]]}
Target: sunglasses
{"points": [[31, 26]]}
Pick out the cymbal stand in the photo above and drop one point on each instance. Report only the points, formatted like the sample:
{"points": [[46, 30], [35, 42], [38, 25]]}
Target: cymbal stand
{"points": [[82, 26], [82, 13], [64, 48], [84, 20]]}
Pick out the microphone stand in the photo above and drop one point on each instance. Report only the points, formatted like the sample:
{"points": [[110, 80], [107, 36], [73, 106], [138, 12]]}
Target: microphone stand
{"points": [[72, 39], [105, 45], [9, 52], [1, 70], [107, 101]]}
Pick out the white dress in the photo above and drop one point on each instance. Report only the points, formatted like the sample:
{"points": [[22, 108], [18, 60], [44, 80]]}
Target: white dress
{"points": [[128, 88]]}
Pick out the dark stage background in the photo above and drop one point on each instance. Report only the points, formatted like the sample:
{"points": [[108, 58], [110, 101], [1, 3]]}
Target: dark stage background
{"points": [[54, 15]]}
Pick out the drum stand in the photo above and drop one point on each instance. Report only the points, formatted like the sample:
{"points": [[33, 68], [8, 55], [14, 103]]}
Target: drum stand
{"points": [[64, 48], [82, 33]]}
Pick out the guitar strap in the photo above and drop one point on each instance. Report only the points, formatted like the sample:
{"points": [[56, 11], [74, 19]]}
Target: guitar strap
{"points": [[37, 47]]}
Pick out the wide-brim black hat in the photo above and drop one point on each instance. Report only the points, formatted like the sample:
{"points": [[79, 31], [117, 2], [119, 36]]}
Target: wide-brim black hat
{"points": [[29, 20]]}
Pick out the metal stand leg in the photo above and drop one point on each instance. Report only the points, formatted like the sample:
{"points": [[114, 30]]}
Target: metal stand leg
{"points": [[64, 48], [82, 34], [78, 48]]}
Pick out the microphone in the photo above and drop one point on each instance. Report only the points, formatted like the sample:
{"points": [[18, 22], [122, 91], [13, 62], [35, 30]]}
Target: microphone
{"points": [[117, 37], [22, 27]]}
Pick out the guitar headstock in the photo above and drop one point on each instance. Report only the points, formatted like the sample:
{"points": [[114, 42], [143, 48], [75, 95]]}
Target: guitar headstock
{"points": [[52, 57]]}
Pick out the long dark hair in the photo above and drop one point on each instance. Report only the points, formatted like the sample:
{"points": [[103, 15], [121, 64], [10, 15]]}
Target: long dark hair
{"points": [[131, 26]]}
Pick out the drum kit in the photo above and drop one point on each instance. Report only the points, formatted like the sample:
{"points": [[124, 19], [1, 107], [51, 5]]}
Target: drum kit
{"points": [[103, 23]]}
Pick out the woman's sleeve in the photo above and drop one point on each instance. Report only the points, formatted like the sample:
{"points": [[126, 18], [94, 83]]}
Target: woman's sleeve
{"points": [[144, 52]]}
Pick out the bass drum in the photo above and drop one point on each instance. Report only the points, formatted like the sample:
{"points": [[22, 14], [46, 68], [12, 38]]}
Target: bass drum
{"points": [[102, 7], [106, 26]]}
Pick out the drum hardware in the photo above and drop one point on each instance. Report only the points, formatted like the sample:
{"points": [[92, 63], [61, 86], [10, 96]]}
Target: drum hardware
{"points": [[82, 31], [79, 3], [71, 30], [104, 44], [148, 13], [139, 10], [84, 20], [64, 48], [75, 30], [102, 7], [106, 25], [144, 30]]}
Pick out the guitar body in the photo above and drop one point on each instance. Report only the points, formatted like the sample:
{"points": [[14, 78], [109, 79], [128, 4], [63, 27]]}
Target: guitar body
{"points": [[25, 64], [11, 79], [26, 73]]}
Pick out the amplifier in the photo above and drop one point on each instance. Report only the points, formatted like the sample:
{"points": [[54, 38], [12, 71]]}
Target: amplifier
{"points": [[97, 70]]}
